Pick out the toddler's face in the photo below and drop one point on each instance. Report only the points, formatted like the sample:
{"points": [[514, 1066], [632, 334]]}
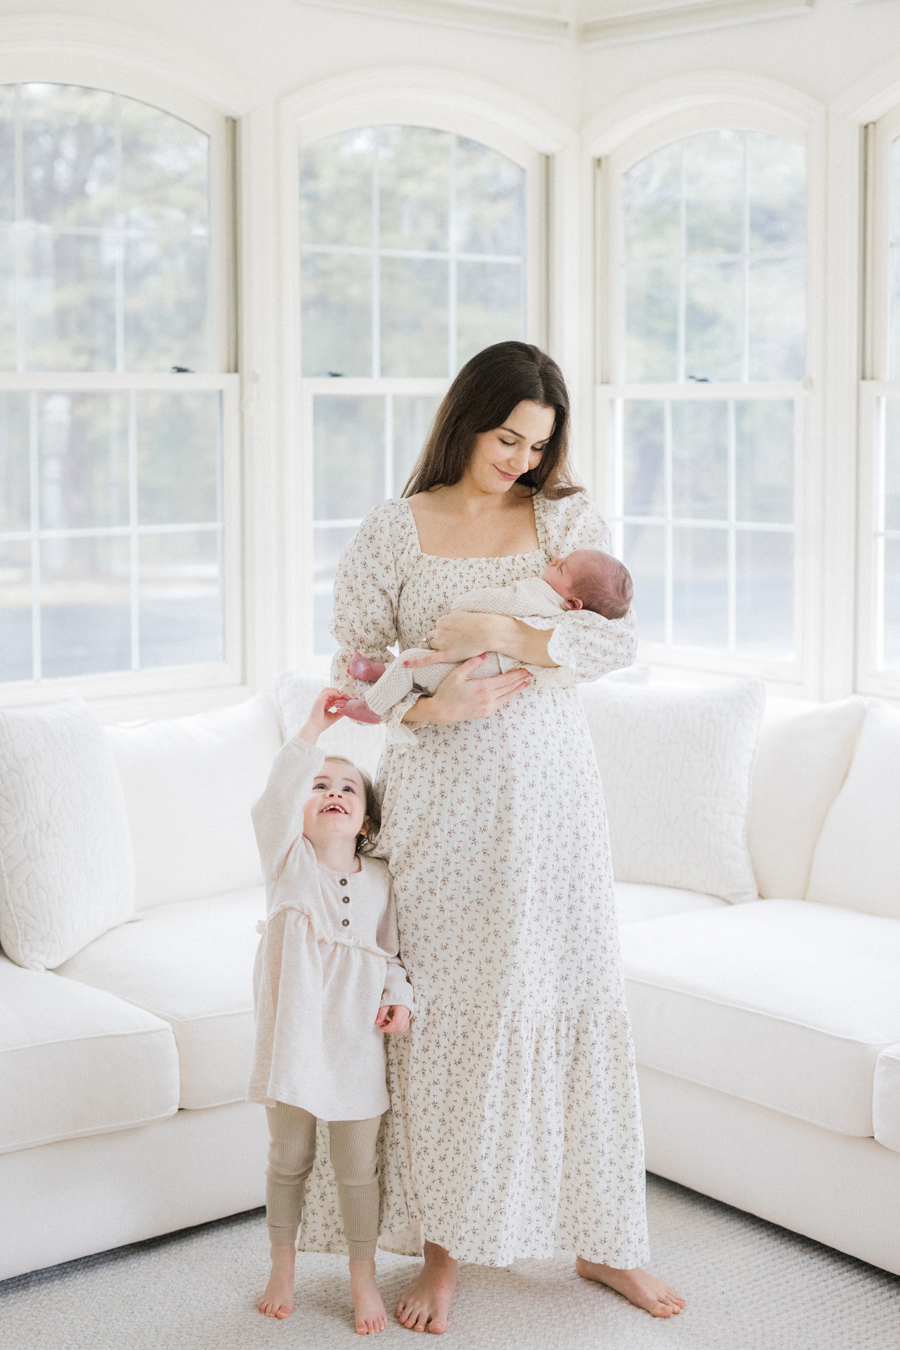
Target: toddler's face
{"points": [[337, 807]]}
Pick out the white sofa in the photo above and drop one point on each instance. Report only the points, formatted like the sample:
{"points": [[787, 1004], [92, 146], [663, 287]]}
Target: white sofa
{"points": [[768, 1034]]}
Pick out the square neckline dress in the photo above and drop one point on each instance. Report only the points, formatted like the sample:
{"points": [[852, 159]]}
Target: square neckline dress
{"points": [[514, 1125]]}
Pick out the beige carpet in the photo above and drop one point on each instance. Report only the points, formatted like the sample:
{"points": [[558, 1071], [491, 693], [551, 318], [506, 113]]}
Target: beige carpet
{"points": [[749, 1286]]}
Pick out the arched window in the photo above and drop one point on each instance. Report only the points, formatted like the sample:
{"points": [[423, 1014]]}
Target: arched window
{"points": [[706, 358], [413, 246], [111, 388]]}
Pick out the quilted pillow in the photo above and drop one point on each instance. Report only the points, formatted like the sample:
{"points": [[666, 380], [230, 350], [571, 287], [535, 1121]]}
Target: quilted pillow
{"points": [[676, 764], [66, 866]]}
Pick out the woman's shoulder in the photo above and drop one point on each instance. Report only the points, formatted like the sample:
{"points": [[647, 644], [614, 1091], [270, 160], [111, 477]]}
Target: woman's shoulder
{"points": [[389, 527], [572, 521]]}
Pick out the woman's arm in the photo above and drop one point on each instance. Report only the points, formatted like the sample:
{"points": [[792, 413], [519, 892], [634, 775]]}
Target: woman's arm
{"points": [[463, 698]]}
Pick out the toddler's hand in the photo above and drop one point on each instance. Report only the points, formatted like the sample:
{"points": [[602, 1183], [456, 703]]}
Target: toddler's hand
{"points": [[392, 1019], [328, 708]]}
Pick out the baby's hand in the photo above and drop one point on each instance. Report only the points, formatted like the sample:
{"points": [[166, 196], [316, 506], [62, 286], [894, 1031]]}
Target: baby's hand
{"points": [[327, 709], [392, 1019]]}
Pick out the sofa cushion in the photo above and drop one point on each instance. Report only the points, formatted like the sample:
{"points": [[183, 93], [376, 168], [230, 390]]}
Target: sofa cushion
{"points": [[66, 867], [639, 903], [857, 858], [886, 1098], [76, 1061], [784, 1003], [189, 784], [190, 963], [675, 761], [804, 753]]}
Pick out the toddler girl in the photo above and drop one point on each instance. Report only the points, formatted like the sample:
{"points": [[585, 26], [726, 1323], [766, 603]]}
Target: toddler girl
{"points": [[328, 982]]}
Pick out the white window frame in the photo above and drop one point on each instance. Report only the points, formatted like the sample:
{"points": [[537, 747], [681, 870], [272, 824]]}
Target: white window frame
{"points": [[615, 150], [418, 99], [874, 387], [175, 688]]}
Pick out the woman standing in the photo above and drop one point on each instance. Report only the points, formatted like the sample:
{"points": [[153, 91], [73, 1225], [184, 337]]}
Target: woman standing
{"points": [[516, 1127]]}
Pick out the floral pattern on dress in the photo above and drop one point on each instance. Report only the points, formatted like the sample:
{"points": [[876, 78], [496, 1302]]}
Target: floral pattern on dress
{"points": [[514, 1125]]}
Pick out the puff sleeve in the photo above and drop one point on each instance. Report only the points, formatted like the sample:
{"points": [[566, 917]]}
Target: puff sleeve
{"points": [[591, 645]]}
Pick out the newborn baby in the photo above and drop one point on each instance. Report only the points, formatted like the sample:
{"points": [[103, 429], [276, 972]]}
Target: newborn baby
{"points": [[586, 579]]}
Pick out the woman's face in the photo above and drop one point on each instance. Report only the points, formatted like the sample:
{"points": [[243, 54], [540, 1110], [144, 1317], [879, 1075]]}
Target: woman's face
{"points": [[504, 454]]}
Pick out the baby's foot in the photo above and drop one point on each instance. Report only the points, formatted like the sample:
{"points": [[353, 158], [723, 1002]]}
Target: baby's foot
{"points": [[424, 1305], [361, 668], [358, 710], [368, 1308], [643, 1290], [278, 1298]]}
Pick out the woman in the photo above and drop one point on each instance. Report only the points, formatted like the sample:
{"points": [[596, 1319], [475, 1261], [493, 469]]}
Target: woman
{"points": [[515, 1126]]}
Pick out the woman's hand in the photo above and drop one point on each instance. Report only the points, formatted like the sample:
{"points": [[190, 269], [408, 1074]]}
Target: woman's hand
{"points": [[461, 635], [392, 1019], [328, 708], [462, 698]]}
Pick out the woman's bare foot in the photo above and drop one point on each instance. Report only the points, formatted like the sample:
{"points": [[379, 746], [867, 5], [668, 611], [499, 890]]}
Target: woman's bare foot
{"points": [[368, 1308], [425, 1304], [278, 1298], [358, 710], [361, 668], [643, 1290]]}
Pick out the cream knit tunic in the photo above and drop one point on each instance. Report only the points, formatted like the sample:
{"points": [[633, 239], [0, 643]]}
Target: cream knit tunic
{"points": [[327, 961]]}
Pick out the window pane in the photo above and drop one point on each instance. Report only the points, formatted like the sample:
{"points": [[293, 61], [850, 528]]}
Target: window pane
{"points": [[644, 458], [892, 464], [651, 308], [414, 316], [651, 206], [178, 457], [644, 556], [85, 606], [892, 604], [764, 460], [336, 189], [68, 295], [714, 192], [69, 155], [489, 214], [714, 320], [700, 587], [7, 298], [489, 304], [165, 171], [7, 154], [413, 415], [166, 312], [765, 593], [336, 295], [83, 458], [181, 615], [776, 191], [15, 611], [15, 498], [777, 320], [894, 279], [327, 548], [348, 435], [414, 188], [700, 460]]}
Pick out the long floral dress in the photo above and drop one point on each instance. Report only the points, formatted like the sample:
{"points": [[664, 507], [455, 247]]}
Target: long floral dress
{"points": [[514, 1126]]}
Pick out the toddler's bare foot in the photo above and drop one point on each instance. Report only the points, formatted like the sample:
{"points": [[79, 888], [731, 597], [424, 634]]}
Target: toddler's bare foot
{"points": [[643, 1290], [368, 1308], [358, 710], [278, 1298], [361, 668], [425, 1304]]}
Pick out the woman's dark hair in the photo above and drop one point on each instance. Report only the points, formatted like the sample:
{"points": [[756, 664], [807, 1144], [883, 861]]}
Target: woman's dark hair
{"points": [[365, 842], [481, 398]]}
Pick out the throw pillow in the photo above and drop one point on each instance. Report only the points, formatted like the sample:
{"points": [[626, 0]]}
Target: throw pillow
{"points": [[66, 865], [676, 764]]}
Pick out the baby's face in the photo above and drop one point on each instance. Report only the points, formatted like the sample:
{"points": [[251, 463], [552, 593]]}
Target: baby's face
{"points": [[337, 806], [563, 575]]}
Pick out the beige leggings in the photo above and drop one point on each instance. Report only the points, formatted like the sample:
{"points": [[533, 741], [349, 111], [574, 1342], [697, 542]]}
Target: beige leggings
{"points": [[292, 1152]]}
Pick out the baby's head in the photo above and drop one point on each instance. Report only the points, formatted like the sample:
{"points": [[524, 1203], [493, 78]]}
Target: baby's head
{"points": [[342, 804], [591, 579]]}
